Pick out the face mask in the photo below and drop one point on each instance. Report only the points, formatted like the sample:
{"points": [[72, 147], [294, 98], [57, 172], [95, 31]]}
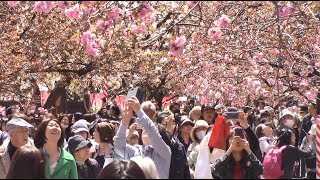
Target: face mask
{"points": [[64, 126], [289, 123], [201, 134]]}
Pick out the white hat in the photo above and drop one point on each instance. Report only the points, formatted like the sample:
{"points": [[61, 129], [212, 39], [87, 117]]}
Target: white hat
{"points": [[269, 109], [313, 129], [80, 125], [199, 123], [285, 112]]}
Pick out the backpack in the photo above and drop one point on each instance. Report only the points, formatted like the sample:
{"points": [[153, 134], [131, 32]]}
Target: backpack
{"points": [[272, 163]]}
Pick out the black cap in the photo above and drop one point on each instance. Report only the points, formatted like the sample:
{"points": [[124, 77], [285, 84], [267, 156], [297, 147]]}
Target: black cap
{"points": [[77, 142], [207, 106], [247, 108]]}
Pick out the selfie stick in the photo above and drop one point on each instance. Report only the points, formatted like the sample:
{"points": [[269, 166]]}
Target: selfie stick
{"points": [[318, 135]]}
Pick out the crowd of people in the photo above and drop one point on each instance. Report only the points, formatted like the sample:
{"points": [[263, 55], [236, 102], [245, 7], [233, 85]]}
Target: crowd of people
{"points": [[184, 140]]}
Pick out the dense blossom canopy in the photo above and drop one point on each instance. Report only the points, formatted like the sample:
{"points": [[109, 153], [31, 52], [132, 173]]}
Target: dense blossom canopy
{"points": [[227, 48]]}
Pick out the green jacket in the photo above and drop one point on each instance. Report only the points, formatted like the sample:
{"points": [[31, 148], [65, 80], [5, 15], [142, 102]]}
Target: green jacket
{"points": [[65, 169]]}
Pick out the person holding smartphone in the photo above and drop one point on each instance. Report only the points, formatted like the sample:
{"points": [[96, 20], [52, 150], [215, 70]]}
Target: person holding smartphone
{"points": [[239, 118], [239, 162]]}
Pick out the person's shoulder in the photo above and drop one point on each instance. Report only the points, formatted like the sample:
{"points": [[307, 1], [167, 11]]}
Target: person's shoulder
{"points": [[66, 155]]}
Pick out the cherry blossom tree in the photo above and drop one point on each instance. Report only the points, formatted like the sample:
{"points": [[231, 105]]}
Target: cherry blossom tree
{"points": [[242, 50]]}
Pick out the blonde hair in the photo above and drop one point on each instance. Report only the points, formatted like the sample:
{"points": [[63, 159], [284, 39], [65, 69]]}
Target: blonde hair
{"points": [[148, 167]]}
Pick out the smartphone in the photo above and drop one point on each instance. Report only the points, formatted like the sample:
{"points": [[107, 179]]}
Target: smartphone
{"points": [[232, 115], [239, 132], [137, 93]]}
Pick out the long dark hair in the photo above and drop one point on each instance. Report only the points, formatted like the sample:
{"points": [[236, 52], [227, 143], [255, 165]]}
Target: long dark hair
{"points": [[122, 169], [284, 137], [27, 162], [231, 135], [40, 136]]}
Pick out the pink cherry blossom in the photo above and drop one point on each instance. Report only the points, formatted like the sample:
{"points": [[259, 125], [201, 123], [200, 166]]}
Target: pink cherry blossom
{"points": [[104, 25], [63, 4], [39, 6], [177, 46], [180, 41], [49, 6], [271, 81], [91, 50], [303, 84], [317, 65], [255, 72], [13, 3], [189, 88], [43, 6], [253, 63], [114, 13], [190, 4], [85, 38], [286, 10], [138, 29], [73, 12], [149, 19], [87, 2], [176, 51], [214, 33], [90, 10], [143, 10], [223, 21]]}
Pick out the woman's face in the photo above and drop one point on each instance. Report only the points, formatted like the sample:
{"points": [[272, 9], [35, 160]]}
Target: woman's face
{"points": [[53, 132], [186, 128], [96, 136], [65, 121]]}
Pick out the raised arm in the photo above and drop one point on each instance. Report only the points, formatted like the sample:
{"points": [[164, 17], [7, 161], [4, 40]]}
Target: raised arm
{"points": [[155, 138], [121, 147]]}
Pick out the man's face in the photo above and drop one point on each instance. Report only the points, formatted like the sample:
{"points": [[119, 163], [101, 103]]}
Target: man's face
{"points": [[19, 136], [208, 115]]}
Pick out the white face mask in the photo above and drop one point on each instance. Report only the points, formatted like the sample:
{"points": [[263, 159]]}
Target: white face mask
{"points": [[201, 134], [289, 123], [64, 126]]}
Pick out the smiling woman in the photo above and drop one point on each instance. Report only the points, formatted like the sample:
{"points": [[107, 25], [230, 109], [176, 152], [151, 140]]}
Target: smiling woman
{"points": [[49, 140]]}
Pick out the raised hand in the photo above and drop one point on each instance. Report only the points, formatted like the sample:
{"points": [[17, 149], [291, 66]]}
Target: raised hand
{"points": [[246, 146], [126, 113], [134, 103], [243, 120]]}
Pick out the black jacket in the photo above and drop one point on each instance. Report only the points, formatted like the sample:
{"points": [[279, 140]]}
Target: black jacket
{"points": [[179, 168], [90, 169], [254, 143], [290, 155], [250, 165]]}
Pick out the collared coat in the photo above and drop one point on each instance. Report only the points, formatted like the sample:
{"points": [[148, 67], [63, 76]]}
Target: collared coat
{"points": [[66, 167], [5, 157]]}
